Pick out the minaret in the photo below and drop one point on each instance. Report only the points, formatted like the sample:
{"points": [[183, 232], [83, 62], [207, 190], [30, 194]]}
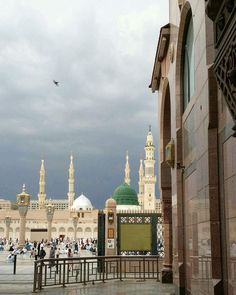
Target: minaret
{"points": [[149, 178], [42, 194], [141, 184], [127, 170], [71, 183]]}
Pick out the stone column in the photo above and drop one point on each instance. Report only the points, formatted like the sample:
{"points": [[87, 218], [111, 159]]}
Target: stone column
{"points": [[110, 227], [23, 201], [8, 223], [75, 223], [167, 273], [50, 212]]}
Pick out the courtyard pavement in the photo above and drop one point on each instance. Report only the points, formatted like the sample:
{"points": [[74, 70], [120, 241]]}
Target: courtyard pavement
{"points": [[22, 282]]}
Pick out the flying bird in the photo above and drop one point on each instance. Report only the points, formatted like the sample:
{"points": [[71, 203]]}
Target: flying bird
{"points": [[56, 83]]}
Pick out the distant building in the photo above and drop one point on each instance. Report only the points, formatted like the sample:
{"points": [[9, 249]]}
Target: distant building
{"points": [[63, 217], [126, 197], [7, 205], [66, 210]]}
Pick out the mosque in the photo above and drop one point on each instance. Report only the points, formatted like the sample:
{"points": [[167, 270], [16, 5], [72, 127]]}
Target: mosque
{"points": [[76, 217]]}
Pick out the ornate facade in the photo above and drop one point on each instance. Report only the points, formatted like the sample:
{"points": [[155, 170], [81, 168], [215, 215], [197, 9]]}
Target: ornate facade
{"points": [[69, 218]]}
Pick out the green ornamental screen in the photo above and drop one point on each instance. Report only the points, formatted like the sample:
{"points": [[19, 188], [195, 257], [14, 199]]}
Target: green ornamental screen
{"points": [[135, 237]]}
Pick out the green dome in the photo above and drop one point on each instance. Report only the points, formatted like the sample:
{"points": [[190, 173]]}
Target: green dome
{"points": [[125, 195]]}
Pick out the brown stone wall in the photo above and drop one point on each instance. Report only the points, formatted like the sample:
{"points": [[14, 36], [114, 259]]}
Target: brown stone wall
{"points": [[229, 182], [194, 185]]}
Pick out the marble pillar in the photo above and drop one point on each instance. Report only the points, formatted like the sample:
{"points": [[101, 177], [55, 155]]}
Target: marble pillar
{"points": [[8, 223], [75, 223], [23, 201], [49, 212]]}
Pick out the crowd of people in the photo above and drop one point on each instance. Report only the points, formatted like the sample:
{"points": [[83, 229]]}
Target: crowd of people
{"points": [[58, 247]]}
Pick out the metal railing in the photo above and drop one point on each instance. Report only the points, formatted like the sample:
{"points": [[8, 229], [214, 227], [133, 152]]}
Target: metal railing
{"points": [[64, 271], [200, 267]]}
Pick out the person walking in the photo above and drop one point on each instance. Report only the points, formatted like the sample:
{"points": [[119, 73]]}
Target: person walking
{"points": [[57, 252], [57, 256], [42, 253], [69, 255], [52, 257]]}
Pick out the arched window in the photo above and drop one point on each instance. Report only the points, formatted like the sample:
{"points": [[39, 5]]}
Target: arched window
{"points": [[188, 75]]}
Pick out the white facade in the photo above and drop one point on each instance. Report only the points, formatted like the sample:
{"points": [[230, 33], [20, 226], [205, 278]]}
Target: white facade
{"points": [[62, 223], [147, 178], [63, 219]]}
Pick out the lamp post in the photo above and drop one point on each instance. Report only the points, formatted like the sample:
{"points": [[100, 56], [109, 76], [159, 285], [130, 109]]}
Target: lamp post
{"points": [[75, 223], [50, 212], [8, 223], [23, 201]]}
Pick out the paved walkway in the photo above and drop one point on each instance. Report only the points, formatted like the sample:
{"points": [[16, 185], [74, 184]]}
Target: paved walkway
{"points": [[21, 282]]}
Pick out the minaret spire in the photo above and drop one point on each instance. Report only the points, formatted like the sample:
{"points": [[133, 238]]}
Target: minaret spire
{"points": [[149, 179], [42, 194], [140, 183], [71, 183], [127, 170]]}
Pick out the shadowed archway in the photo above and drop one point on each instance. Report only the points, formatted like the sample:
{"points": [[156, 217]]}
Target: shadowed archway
{"points": [[165, 184]]}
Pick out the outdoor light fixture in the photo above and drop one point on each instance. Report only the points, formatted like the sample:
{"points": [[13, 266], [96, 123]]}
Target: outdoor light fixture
{"points": [[170, 153], [110, 216]]}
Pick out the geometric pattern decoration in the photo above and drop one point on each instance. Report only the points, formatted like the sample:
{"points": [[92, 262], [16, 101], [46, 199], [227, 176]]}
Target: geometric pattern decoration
{"points": [[225, 70], [135, 219], [155, 220], [160, 239], [223, 14]]}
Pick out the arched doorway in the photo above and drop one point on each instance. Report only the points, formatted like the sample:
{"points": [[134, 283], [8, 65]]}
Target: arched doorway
{"points": [[87, 232], [70, 233], [62, 233], [165, 183], [80, 233], [54, 232], [178, 216]]}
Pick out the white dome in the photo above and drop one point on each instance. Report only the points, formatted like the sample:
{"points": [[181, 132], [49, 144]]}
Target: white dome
{"points": [[82, 203]]}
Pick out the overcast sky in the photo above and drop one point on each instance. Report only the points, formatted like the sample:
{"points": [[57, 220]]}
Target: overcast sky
{"points": [[102, 53]]}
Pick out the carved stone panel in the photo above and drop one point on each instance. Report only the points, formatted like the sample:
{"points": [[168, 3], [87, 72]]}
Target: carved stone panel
{"points": [[225, 70]]}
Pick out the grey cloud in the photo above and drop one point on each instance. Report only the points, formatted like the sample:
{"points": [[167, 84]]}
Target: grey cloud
{"points": [[102, 54]]}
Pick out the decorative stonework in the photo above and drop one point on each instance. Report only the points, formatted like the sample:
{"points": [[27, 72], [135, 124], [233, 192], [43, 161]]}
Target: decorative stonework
{"points": [[223, 19], [225, 70], [180, 3], [212, 8], [222, 13], [138, 219], [135, 219], [172, 52]]}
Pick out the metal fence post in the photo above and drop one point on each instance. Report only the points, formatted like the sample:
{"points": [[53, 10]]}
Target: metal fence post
{"points": [[35, 276], [144, 270], [40, 275], [14, 268], [84, 271], [121, 269], [158, 279], [64, 273]]}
